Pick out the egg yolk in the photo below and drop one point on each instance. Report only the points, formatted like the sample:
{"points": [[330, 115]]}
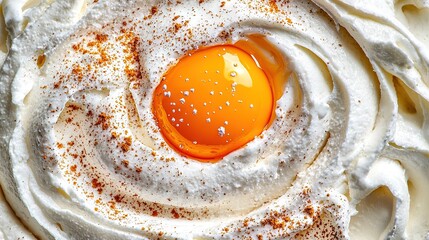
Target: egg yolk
{"points": [[212, 102]]}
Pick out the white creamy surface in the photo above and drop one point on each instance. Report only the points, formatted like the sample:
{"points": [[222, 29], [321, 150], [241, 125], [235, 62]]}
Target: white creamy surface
{"points": [[347, 156]]}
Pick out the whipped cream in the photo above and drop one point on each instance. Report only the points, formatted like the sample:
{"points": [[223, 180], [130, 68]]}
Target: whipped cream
{"points": [[347, 156]]}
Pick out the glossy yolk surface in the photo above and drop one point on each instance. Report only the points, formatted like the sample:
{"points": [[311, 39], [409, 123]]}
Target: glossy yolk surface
{"points": [[212, 102]]}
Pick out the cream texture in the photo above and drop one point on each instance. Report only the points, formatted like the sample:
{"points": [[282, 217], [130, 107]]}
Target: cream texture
{"points": [[347, 156]]}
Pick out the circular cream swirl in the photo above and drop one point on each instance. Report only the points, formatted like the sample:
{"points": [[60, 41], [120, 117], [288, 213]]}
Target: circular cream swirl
{"points": [[82, 157]]}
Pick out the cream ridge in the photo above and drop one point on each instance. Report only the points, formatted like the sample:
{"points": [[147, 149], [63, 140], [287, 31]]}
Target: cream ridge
{"points": [[81, 156]]}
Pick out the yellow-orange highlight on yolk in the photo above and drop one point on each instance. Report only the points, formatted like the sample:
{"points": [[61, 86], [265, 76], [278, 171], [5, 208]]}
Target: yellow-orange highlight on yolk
{"points": [[212, 102]]}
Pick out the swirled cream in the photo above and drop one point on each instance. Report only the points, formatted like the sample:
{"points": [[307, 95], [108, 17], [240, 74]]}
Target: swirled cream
{"points": [[346, 156]]}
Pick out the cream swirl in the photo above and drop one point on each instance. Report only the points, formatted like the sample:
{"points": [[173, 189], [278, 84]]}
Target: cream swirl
{"points": [[82, 156]]}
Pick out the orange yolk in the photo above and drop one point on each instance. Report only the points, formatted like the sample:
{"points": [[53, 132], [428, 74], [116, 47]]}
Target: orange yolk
{"points": [[212, 102]]}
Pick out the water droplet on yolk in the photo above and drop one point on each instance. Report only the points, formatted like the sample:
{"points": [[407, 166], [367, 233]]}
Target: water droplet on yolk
{"points": [[212, 102]]}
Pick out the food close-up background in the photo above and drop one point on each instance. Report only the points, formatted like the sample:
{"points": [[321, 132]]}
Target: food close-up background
{"points": [[203, 119]]}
